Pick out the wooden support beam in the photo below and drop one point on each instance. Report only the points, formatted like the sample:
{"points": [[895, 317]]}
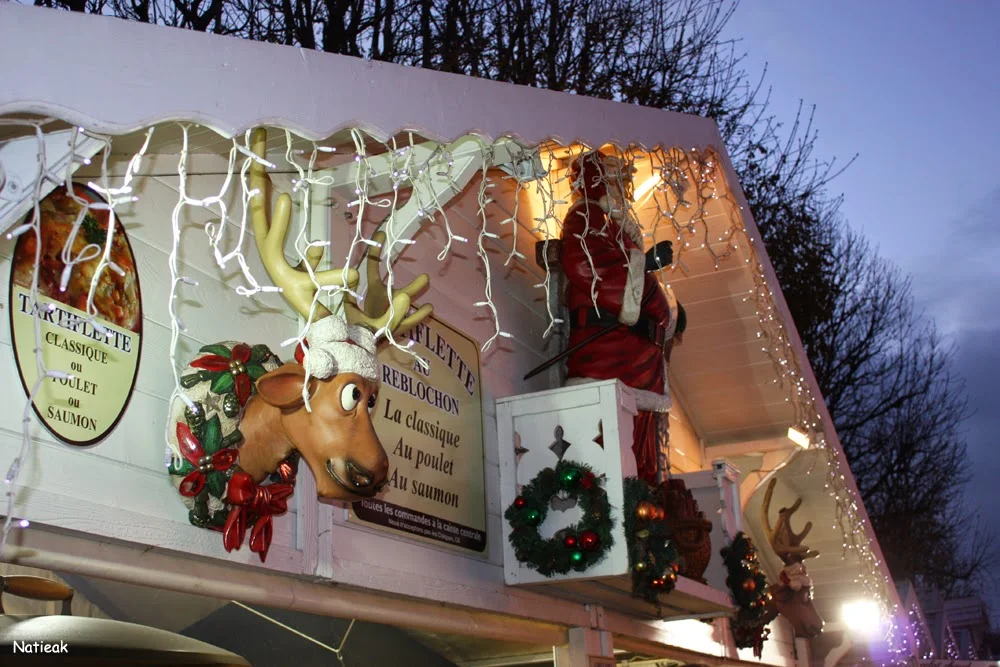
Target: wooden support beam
{"points": [[90, 557]]}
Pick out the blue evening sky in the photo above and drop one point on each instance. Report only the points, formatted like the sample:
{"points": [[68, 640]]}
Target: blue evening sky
{"points": [[914, 87]]}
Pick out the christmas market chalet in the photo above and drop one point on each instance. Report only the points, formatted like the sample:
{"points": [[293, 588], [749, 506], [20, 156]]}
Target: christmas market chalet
{"points": [[502, 370]]}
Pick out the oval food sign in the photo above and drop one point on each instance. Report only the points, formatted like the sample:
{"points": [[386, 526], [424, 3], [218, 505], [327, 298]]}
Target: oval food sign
{"points": [[83, 409]]}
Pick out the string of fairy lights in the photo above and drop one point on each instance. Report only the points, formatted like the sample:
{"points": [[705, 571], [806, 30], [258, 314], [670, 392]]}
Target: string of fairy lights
{"points": [[116, 196], [698, 172], [689, 181]]}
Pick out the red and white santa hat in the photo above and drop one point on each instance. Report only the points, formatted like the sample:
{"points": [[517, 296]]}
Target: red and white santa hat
{"points": [[338, 347], [795, 576]]}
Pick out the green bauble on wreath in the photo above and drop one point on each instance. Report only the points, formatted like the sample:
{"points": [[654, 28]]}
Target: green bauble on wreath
{"points": [[577, 547]]}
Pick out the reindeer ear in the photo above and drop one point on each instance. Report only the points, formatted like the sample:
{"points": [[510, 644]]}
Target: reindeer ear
{"points": [[282, 387]]}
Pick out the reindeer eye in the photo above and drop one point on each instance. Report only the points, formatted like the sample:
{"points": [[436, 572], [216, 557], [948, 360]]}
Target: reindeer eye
{"points": [[371, 401], [349, 397]]}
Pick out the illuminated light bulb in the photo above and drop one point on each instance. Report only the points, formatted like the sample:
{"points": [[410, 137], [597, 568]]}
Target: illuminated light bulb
{"points": [[17, 231]]}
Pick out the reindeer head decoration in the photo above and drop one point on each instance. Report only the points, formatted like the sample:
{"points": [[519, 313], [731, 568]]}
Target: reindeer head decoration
{"points": [[247, 419], [335, 435], [792, 597]]}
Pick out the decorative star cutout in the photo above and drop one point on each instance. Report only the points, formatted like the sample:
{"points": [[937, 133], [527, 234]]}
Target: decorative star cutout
{"points": [[560, 446], [519, 451], [213, 402], [600, 434]]}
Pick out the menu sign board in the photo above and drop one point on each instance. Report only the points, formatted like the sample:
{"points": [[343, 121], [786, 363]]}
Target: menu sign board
{"points": [[431, 424], [102, 361]]}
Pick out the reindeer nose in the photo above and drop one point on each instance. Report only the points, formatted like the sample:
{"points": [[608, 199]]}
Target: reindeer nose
{"points": [[358, 476]]}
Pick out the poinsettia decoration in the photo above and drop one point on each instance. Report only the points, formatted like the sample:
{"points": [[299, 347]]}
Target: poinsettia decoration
{"points": [[232, 371], [204, 463]]}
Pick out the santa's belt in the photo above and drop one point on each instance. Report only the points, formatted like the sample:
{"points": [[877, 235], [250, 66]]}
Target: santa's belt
{"points": [[646, 328]]}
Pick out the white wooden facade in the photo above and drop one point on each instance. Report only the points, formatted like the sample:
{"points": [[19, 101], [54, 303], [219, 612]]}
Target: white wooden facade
{"points": [[110, 511]]}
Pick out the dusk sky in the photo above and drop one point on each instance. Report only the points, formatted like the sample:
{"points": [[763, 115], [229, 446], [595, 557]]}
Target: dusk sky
{"points": [[914, 88]]}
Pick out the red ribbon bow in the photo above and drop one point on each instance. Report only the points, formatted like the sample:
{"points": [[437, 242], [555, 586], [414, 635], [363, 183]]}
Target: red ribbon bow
{"points": [[256, 504]]}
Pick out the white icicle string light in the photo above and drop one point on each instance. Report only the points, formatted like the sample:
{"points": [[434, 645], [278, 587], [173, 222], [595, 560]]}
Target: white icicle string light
{"points": [[520, 156], [43, 174], [303, 187], [391, 239], [176, 326], [400, 174], [114, 196], [576, 186], [246, 194], [440, 160], [361, 191], [545, 190], [215, 235], [216, 229], [484, 200]]}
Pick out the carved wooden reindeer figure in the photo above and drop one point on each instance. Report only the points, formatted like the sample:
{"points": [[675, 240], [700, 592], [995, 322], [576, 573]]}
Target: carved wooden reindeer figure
{"points": [[792, 597], [240, 443]]}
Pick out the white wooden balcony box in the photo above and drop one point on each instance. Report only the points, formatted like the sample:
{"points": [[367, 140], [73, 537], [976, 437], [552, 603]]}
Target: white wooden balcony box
{"points": [[717, 492], [590, 424]]}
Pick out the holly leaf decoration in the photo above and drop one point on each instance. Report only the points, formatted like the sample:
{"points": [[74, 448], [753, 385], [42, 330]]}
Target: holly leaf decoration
{"points": [[211, 435], [217, 349], [184, 468], [255, 371], [222, 383], [216, 483], [259, 354]]}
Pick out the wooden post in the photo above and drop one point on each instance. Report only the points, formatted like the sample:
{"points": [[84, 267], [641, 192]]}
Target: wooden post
{"points": [[548, 252], [587, 647]]}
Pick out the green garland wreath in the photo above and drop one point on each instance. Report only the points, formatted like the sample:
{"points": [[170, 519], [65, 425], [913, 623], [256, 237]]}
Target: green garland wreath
{"points": [[652, 556], [575, 548], [748, 585]]}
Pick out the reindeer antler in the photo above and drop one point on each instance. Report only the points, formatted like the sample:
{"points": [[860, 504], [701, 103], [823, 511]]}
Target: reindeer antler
{"points": [[375, 314], [296, 285], [785, 542]]}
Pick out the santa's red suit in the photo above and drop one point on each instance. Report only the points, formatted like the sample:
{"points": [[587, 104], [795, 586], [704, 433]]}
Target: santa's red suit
{"points": [[598, 240]]}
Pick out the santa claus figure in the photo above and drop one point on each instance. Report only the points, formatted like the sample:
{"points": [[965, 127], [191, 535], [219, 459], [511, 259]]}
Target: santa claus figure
{"points": [[613, 289]]}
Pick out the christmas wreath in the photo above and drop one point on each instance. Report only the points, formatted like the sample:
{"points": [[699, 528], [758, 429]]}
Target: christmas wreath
{"points": [[748, 585], [652, 555], [575, 548], [218, 494]]}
